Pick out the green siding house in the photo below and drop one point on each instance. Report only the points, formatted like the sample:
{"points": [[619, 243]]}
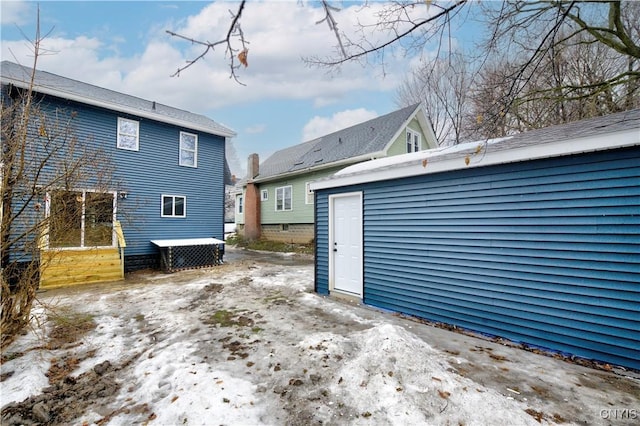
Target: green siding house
{"points": [[275, 202]]}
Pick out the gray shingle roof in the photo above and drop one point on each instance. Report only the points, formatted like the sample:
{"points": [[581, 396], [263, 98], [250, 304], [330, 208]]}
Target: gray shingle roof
{"points": [[600, 133], [369, 137], [67, 88]]}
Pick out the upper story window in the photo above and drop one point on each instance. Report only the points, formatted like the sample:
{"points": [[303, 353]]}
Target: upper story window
{"points": [[264, 195], [174, 206], [128, 134], [240, 205], [413, 141], [188, 149], [309, 193], [284, 200]]}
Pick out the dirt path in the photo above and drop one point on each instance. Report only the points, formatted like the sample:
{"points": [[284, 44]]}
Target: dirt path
{"points": [[249, 342]]}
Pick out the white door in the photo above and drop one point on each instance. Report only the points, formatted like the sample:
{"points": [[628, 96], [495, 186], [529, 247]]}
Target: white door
{"points": [[345, 245]]}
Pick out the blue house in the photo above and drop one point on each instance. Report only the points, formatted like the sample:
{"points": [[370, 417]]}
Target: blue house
{"points": [[533, 238], [165, 170]]}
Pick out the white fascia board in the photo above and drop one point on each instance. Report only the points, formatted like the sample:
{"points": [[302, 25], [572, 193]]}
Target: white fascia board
{"points": [[427, 127], [346, 161], [401, 129], [490, 157], [117, 107]]}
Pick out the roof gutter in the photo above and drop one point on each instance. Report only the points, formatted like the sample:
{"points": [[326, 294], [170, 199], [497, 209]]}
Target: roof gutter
{"points": [[493, 156], [117, 107], [346, 161]]}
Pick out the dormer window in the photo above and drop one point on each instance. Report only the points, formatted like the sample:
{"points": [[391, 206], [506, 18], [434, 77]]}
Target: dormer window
{"points": [[413, 141]]}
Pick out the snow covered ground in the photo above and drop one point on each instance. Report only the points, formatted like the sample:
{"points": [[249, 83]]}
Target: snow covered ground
{"points": [[250, 343]]}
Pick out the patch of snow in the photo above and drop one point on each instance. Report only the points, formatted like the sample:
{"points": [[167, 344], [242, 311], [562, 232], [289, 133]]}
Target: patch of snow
{"points": [[415, 156], [307, 359]]}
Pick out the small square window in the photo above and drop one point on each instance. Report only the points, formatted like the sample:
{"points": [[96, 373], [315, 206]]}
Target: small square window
{"points": [[188, 149], [128, 134], [264, 195], [284, 227], [174, 206]]}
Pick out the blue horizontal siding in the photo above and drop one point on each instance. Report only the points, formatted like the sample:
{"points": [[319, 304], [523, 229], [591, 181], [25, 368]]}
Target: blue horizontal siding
{"points": [[322, 243], [150, 172], [544, 252]]}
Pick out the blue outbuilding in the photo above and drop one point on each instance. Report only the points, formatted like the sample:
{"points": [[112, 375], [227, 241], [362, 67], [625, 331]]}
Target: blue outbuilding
{"points": [[534, 237]]}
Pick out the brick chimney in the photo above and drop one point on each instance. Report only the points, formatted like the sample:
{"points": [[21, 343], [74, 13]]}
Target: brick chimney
{"points": [[252, 227]]}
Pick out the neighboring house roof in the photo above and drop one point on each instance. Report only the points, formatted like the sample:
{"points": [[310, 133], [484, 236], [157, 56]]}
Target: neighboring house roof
{"points": [[356, 143], [66, 88], [596, 134]]}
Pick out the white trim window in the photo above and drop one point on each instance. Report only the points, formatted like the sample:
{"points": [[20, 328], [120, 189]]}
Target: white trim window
{"points": [[173, 206], [240, 205], [308, 194], [264, 195], [80, 218], [188, 149], [414, 142], [284, 198], [128, 134]]}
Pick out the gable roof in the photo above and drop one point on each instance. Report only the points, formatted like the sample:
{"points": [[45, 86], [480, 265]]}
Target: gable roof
{"points": [[66, 88], [595, 134], [356, 143]]}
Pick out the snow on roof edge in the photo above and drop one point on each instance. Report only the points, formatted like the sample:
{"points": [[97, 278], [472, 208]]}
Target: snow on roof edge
{"points": [[472, 154]]}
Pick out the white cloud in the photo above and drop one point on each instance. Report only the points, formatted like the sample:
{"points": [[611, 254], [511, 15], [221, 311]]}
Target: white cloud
{"points": [[319, 126], [280, 34], [255, 129], [15, 12]]}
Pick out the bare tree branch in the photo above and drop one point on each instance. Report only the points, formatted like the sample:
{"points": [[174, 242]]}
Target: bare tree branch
{"points": [[398, 35], [234, 30], [333, 25]]}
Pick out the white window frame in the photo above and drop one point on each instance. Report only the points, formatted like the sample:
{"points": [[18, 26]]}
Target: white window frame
{"points": [[308, 199], [240, 204], [282, 190], [413, 140], [83, 218], [264, 195], [173, 206], [120, 144], [194, 150]]}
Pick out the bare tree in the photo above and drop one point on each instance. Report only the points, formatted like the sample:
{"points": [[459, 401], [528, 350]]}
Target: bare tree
{"points": [[539, 33], [43, 164], [567, 86], [526, 32], [443, 86], [543, 65]]}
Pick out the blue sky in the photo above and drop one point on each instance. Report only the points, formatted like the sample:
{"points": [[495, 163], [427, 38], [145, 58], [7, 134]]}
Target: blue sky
{"points": [[123, 46]]}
